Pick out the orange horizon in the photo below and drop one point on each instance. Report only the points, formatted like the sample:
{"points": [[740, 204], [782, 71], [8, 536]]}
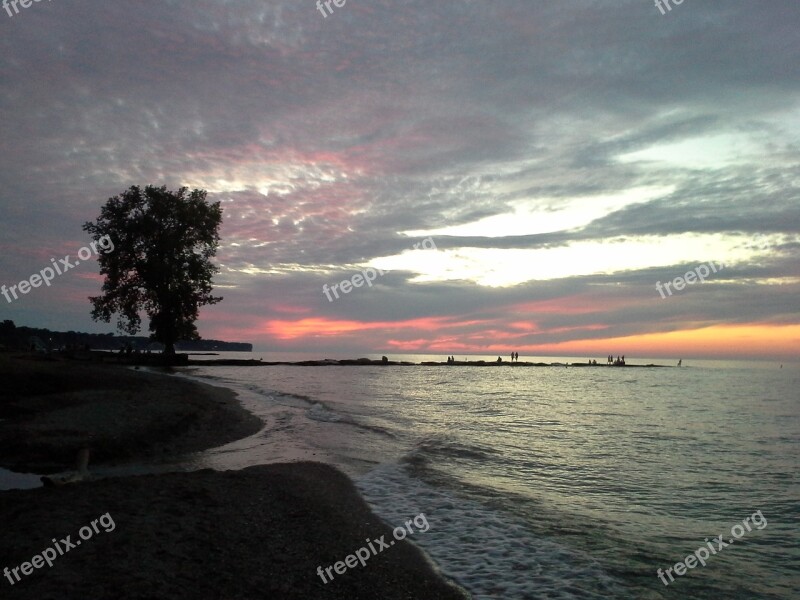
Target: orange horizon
{"points": [[441, 336]]}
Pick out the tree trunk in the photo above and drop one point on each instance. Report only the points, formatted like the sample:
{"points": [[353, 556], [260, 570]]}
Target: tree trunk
{"points": [[169, 353]]}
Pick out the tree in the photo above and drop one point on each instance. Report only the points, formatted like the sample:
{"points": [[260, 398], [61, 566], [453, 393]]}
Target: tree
{"points": [[159, 261], [7, 327]]}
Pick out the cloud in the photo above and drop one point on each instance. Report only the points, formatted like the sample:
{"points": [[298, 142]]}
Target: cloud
{"points": [[554, 151]]}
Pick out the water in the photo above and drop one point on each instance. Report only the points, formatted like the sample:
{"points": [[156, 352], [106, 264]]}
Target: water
{"points": [[555, 482], [20, 481], [548, 482]]}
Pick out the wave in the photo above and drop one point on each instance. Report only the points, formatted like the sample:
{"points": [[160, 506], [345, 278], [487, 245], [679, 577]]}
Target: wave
{"points": [[491, 553], [437, 446]]}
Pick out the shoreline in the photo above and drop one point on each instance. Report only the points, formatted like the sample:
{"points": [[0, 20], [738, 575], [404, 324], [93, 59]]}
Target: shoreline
{"points": [[257, 532]]}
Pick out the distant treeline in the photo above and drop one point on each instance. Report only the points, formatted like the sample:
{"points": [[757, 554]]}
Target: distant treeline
{"points": [[23, 338]]}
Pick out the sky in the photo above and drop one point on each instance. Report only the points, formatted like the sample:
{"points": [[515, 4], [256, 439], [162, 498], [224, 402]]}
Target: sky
{"points": [[513, 175]]}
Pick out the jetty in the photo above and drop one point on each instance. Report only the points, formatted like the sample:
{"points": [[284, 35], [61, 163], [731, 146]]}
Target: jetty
{"points": [[327, 362]]}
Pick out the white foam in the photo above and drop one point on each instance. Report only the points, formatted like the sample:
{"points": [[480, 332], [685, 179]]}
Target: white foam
{"points": [[490, 554], [318, 412]]}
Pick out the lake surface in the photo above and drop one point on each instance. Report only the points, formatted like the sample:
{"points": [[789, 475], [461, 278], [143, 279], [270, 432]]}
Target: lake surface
{"points": [[553, 482]]}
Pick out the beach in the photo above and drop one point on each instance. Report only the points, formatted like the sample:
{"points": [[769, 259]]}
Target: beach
{"points": [[258, 532], [54, 407]]}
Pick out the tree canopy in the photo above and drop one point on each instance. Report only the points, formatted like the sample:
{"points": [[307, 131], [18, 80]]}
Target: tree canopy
{"points": [[163, 242]]}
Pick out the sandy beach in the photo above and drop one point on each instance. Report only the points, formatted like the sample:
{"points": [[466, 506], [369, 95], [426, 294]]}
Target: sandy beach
{"points": [[257, 533], [53, 408]]}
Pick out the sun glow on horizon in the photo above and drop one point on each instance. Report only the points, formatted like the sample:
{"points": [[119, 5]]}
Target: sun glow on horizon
{"points": [[496, 336]]}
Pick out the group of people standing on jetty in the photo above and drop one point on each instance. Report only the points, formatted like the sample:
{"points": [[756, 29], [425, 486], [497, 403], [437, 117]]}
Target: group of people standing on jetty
{"points": [[620, 362], [514, 357], [610, 360]]}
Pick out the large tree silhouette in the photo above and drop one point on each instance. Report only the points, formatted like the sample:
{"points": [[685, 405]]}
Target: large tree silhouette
{"points": [[161, 261]]}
